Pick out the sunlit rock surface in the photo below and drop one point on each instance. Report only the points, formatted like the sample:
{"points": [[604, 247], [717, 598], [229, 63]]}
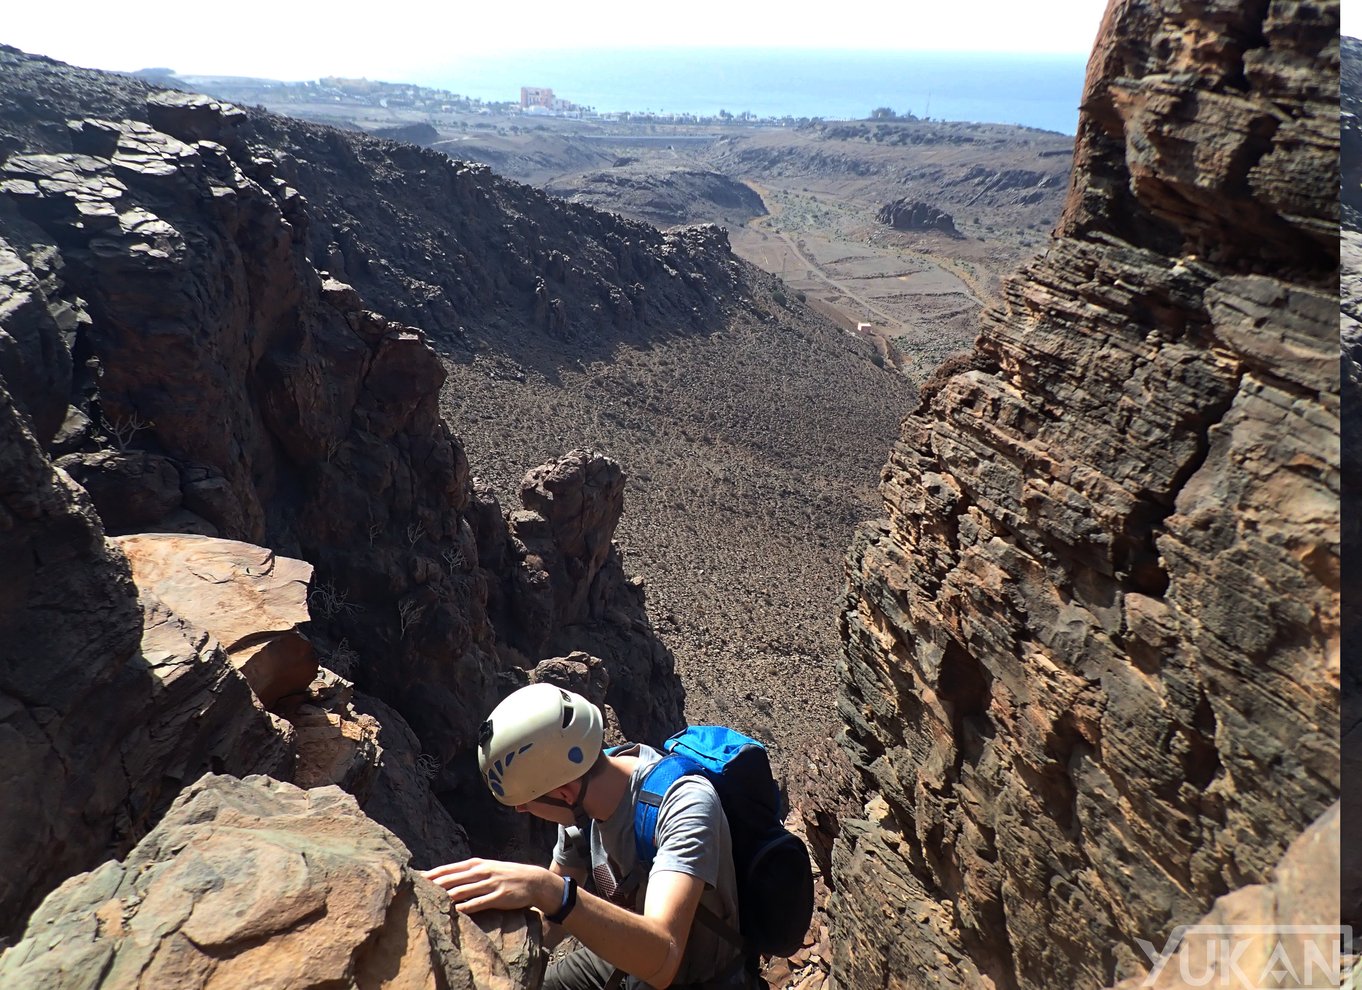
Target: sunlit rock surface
{"points": [[1092, 651]]}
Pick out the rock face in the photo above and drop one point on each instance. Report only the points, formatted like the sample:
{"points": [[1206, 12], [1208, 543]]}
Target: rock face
{"points": [[569, 592], [905, 214], [1350, 152], [223, 387], [1092, 653], [258, 883], [1302, 893], [265, 400], [107, 707], [1350, 330]]}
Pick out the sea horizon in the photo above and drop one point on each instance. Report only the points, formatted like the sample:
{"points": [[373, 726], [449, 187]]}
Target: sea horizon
{"points": [[1030, 90]]}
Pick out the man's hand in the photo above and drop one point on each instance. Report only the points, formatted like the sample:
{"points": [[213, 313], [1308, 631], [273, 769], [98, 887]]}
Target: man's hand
{"points": [[479, 884]]}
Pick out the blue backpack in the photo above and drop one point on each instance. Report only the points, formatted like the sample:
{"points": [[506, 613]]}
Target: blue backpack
{"points": [[775, 880]]}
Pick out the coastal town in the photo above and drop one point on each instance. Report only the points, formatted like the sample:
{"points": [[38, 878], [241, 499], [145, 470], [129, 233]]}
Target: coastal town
{"points": [[337, 99]]}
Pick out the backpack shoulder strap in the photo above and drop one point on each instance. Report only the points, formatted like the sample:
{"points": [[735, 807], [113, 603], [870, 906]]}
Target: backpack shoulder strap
{"points": [[656, 782]]}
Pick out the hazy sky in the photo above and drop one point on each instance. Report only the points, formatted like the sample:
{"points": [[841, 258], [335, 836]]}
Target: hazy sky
{"points": [[393, 39]]}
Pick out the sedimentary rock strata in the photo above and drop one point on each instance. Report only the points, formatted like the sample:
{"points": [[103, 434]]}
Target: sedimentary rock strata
{"points": [[250, 600], [1092, 653]]}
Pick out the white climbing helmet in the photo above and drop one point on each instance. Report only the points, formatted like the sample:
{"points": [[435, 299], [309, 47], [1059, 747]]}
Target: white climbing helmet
{"points": [[538, 738]]}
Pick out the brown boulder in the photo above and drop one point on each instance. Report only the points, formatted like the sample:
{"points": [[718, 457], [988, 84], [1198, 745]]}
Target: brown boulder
{"points": [[251, 600], [907, 214], [258, 883]]}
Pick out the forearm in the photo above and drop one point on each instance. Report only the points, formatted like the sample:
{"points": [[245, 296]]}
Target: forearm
{"points": [[648, 946], [577, 873], [641, 946]]}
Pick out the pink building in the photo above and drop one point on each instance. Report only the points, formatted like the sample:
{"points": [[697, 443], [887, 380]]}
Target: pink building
{"points": [[536, 96]]}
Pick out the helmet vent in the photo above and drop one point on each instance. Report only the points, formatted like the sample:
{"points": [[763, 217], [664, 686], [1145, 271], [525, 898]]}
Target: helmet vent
{"points": [[567, 715]]}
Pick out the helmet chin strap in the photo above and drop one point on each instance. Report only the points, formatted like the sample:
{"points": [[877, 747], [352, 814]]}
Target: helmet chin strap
{"points": [[583, 820], [577, 807]]}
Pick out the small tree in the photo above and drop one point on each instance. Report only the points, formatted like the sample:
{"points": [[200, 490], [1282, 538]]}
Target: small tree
{"points": [[883, 113]]}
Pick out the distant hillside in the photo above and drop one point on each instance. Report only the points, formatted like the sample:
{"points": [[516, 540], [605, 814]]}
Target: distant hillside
{"points": [[665, 197]]}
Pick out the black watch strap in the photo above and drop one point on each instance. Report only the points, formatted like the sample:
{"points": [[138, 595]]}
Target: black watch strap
{"points": [[569, 901]]}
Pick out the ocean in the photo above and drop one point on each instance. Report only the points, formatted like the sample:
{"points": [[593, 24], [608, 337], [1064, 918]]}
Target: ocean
{"points": [[1033, 90]]}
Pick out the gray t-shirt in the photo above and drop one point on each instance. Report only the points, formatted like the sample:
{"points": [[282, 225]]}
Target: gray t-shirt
{"points": [[692, 838]]}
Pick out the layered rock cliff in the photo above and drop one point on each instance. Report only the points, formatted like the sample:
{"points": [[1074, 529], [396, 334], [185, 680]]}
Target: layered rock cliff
{"points": [[1092, 652]]}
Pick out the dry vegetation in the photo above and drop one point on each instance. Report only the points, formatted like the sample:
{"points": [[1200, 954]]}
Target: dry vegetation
{"points": [[751, 453]]}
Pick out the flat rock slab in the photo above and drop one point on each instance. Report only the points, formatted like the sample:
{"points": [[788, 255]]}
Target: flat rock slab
{"points": [[249, 599], [256, 883]]}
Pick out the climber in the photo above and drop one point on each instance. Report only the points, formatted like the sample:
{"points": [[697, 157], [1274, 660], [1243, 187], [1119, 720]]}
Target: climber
{"points": [[541, 752]]}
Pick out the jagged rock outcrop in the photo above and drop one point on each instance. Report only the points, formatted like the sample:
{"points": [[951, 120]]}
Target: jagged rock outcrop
{"points": [[1092, 655], [432, 242], [107, 705], [568, 592], [270, 402], [222, 386], [259, 883], [907, 214], [172, 344]]}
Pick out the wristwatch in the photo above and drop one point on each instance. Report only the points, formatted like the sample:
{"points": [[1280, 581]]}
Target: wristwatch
{"points": [[569, 901]]}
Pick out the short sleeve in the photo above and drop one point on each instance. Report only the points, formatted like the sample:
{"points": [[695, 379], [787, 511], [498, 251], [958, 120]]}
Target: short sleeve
{"points": [[689, 825]]}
